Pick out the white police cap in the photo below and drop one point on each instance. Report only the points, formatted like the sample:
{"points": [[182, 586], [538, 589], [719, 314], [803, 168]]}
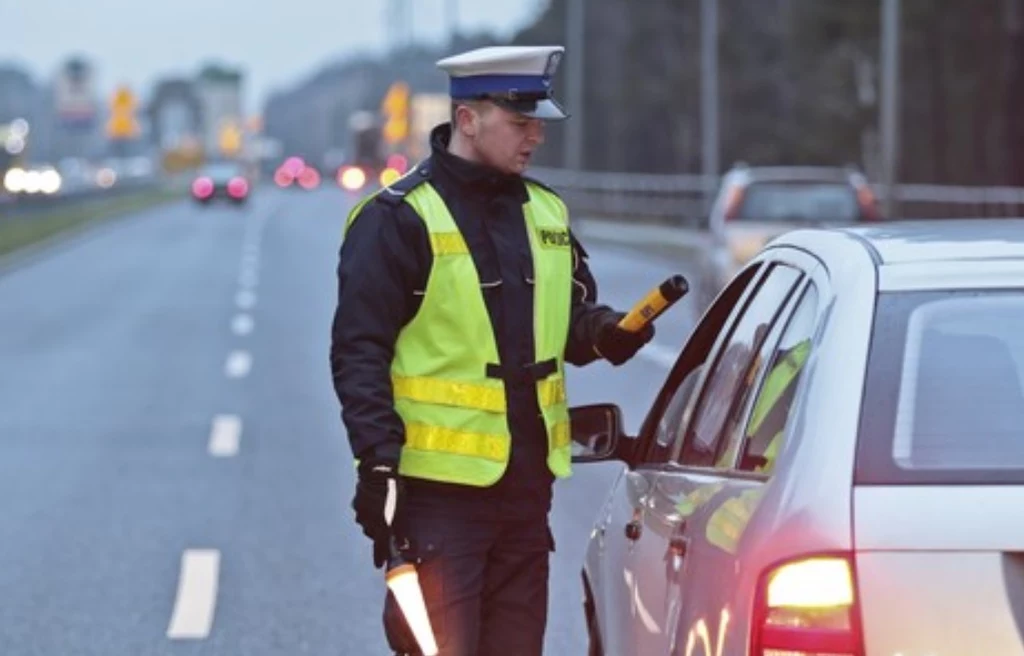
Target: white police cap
{"points": [[515, 77]]}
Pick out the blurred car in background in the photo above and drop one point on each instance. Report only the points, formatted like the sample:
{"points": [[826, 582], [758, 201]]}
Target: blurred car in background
{"points": [[756, 204], [226, 180]]}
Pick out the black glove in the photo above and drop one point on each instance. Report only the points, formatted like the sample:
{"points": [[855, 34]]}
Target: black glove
{"points": [[617, 345], [378, 491]]}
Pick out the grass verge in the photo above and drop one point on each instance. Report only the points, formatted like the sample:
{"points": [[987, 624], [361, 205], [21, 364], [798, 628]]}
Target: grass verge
{"points": [[21, 231]]}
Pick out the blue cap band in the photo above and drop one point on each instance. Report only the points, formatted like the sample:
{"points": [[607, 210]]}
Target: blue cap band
{"points": [[478, 85]]}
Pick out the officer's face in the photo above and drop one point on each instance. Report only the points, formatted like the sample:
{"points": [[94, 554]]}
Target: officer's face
{"points": [[503, 139]]}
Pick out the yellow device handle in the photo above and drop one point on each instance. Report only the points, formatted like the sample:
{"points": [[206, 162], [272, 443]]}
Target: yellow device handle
{"points": [[655, 303]]}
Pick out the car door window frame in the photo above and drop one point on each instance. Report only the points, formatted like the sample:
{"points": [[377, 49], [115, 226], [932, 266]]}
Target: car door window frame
{"points": [[737, 428], [812, 270], [815, 273], [689, 359], [697, 403]]}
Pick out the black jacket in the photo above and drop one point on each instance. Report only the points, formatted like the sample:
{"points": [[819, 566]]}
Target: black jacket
{"points": [[385, 260]]}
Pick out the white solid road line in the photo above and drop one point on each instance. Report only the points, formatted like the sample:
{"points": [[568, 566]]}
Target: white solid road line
{"points": [[225, 434], [658, 354], [197, 595], [245, 299], [242, 324], [238, 364]]}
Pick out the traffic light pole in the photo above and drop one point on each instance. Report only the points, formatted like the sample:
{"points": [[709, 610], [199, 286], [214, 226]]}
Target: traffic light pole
{"points": [[890, 104], [575, 26], [709, 98]]}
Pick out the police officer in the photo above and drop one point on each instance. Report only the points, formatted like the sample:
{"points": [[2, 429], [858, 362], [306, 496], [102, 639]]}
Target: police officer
{"points": [[461, 295]]}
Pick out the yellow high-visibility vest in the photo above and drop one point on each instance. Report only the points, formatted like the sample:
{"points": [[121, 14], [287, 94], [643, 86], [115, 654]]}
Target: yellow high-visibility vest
{"points": [[455, 414]]}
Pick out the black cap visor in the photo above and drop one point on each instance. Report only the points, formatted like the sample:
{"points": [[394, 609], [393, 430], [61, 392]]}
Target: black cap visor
{"points": [[542, 107]]}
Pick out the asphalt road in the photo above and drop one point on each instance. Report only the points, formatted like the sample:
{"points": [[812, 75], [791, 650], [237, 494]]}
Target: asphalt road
{"points": [[174, 475]]}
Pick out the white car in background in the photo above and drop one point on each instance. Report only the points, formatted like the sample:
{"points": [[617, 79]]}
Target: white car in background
{"points": [[756, 204]]}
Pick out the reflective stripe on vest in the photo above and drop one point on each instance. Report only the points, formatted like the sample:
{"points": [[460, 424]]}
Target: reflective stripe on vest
{"points": [[456, 426]]}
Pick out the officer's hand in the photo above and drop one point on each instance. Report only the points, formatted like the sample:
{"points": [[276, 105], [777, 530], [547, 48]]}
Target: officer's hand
{"points": [[378, 503], [617, 345]]}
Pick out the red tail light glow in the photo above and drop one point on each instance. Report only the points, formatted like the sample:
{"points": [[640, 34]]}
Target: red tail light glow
{"points": [[868, 203], [283, 178], [806, 607], [309, 178], [238, 188], [733, 201], [398, 162], [202, 188]]}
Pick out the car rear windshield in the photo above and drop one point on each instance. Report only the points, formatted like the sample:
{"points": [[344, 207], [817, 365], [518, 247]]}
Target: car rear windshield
{"points": [[799, 201], [222, 172], [943, 401]]}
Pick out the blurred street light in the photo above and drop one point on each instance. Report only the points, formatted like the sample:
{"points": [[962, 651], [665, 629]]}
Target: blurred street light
{"points": [[14, 144], [19, 127]]}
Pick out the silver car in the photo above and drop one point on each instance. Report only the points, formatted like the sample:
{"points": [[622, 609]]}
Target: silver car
{"points": [[835, 464], [756, 204]]}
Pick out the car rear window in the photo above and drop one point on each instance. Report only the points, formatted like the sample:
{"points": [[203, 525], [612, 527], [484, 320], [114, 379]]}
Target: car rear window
{"points": [[943, 401], [799, 201], [222, 171]]}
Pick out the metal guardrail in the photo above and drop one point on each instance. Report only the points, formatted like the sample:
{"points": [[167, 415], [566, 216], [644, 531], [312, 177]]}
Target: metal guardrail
{"points": [[679, 198]]}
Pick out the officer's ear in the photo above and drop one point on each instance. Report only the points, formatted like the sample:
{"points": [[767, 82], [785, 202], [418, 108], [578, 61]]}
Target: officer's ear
{"points": [[466, 117]]}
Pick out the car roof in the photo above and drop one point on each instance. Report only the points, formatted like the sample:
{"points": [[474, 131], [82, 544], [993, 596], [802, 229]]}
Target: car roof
{"points": [[943, 240], [794, 173]]}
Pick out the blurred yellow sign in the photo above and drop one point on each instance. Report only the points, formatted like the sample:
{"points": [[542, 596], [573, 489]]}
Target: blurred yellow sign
{"points": [[122, 123], [230, 140], [396, 108]]}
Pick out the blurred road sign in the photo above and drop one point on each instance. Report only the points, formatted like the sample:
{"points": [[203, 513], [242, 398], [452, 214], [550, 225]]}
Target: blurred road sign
{"points": [[122, 124], [396, 111], [74, 95], [230, 139]]}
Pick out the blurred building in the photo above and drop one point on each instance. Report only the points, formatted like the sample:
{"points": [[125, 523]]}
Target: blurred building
{"points": [[19, 95], [76, 113], [174, 114], [218, 91], [20, 117]]}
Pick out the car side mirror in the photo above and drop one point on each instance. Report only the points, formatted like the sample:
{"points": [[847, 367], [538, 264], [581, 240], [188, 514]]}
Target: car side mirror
{"points": [[596, 432]]}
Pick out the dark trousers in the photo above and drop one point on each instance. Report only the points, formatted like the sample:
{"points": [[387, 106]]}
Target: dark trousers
{"points": [[485, 582]]}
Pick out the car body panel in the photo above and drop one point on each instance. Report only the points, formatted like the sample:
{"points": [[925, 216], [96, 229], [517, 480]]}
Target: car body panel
{"points": [[953, 554], [687, 584]]}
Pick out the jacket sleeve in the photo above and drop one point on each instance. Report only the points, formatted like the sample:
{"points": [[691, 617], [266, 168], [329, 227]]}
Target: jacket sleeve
{"points": [[380, 265], [587, 316]]}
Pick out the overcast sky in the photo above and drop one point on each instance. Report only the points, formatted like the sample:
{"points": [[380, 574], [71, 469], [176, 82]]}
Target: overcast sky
{"points": [[134, 41]]}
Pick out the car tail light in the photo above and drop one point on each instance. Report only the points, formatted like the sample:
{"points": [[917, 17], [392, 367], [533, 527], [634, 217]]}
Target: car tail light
{"points": [[868, 203], [807, 607], [238, 187], [309, 178], [283, 178], [202, 187], [733, 200]]}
